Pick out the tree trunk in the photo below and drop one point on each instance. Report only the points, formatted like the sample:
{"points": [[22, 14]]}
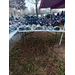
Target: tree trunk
{"points": [[36, 10]]}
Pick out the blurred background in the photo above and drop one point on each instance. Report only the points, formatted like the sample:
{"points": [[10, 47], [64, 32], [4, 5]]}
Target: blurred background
{"points": [[19, 8]]}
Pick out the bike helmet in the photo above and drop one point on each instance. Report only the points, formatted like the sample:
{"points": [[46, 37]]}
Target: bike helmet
{"points": [[22, 28], [33, 26], [38, 27], [44, 27], [50, 27], [56, 28], [28, 27]]}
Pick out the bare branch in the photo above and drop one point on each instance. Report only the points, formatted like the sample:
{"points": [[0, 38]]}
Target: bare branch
{"points": [[32, 2], [18, 4]]}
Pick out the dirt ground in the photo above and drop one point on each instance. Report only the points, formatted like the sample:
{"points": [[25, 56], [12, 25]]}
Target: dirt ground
{"points": [[59, 51]]}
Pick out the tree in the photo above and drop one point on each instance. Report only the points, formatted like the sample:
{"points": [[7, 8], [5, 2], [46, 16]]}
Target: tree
{"points": [[18, 4], [32, 11], [36, 3]]}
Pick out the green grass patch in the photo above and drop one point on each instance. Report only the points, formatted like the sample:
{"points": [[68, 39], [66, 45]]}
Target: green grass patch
{"points": [[62, 70]]}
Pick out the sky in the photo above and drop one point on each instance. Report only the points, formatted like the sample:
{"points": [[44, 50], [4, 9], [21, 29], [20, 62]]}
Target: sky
{"points": [[29, 5]]}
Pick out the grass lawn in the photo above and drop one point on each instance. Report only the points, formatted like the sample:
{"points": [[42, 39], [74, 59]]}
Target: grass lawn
{"points": [[35, 57]]}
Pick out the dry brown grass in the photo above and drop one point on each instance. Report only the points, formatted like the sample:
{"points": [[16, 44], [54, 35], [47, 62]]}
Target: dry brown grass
{"points": [[36, 57]]}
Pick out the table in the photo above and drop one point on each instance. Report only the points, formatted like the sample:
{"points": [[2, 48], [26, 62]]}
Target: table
{"points": [[12, 34], [22, 31], [41, 31], [60, 39]]}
